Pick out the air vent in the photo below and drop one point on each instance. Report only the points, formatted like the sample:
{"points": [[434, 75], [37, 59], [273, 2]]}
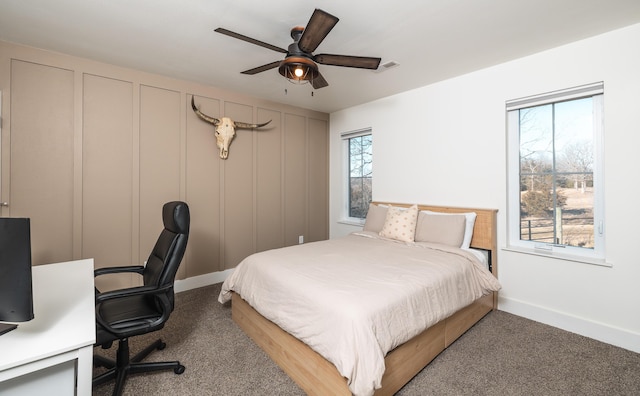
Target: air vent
{"points": [[387, 66]]}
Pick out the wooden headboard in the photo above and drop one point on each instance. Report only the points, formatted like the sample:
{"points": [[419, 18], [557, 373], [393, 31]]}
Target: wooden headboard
{"points": [[484, 231]]}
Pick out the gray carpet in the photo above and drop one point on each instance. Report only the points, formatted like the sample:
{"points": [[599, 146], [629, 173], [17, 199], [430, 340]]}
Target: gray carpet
{"points": [[502, 355]]}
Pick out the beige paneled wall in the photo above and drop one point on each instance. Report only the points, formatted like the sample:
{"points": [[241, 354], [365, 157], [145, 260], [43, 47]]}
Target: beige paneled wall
{"points": [[318, 179], [203, 179], [41, 156], [295, 180], [268, 199], [237, 190], [95, 150], [159, 160], [107, 171]]}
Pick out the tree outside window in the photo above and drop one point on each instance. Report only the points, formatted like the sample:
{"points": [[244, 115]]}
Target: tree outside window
{"points": [[360, 174]]}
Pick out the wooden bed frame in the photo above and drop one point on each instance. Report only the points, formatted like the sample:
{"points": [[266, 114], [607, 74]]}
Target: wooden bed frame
{"points": [[317, 376]]}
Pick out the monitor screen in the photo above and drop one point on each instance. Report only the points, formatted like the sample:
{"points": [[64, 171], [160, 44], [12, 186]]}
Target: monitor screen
{"points": [[16, 297]]}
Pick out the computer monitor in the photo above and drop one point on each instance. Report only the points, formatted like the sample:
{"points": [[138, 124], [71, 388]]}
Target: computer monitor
{"points": [[16, 295]]}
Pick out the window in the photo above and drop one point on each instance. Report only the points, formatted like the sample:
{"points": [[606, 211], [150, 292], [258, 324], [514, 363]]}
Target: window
{"points": [[359, 155], [555, 183]]}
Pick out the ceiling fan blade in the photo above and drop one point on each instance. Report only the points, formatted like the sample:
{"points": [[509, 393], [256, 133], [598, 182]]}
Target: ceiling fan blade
{"points": [[262, 68], [362, 62], [250, 40], [319, 82], [319, 25]]}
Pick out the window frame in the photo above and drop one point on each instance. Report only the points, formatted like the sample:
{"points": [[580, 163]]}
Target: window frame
{"points": [[566, 252], [346, 137]]}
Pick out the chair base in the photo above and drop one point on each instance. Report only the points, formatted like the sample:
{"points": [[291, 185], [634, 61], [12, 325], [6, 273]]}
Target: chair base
{"points": [[124, 365]]}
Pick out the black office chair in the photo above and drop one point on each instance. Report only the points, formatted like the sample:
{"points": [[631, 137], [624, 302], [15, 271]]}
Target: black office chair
{"points": [[123, 313]]}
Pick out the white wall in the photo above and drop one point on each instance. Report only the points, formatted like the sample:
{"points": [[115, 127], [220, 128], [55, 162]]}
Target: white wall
{"points": [[444, 144]]}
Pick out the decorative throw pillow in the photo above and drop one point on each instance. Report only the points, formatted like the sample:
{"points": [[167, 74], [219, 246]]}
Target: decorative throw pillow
{"points": [[400, 223], [446, 230], [375, 218]]}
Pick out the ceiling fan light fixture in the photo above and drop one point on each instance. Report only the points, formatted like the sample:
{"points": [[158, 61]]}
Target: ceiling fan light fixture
{"points": [[298, 70]]}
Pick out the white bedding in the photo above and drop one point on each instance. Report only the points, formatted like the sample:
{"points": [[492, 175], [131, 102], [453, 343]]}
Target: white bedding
{"points": [[353, 299], [481, 255]]}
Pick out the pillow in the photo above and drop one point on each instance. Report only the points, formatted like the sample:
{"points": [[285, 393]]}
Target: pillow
{"points": [[468, 229], [375, 218], [446, 230], [400, 223]]}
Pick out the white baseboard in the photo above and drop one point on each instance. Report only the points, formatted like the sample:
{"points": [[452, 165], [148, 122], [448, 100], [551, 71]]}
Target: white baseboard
{"points": [[598, 331], [201, 280]]}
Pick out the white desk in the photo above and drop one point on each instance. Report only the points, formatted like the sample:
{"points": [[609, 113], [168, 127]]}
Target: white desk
{"points": [[48, 354]]}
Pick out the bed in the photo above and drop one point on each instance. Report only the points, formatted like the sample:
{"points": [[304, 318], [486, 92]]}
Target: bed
{"points": [[374, 341]]}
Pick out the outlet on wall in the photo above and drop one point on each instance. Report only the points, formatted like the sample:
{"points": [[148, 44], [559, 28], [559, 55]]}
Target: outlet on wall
{"points": [[300, 239]]}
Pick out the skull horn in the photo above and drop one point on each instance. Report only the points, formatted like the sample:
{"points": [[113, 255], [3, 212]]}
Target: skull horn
{"points": [[216, 121], [244, 125], [211, 120]]}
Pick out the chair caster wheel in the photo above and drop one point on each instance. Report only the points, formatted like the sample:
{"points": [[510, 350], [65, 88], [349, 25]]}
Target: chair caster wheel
{"points": [[179, 369], [162, 345]]}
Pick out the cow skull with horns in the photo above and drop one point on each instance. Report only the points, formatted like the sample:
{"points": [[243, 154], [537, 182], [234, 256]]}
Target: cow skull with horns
{"points": [[225, 129]]}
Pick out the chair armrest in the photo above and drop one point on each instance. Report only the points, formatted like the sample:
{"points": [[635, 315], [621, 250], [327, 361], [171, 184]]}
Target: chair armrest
{"points": [[116, 270], [161, 299], [131, 291]]}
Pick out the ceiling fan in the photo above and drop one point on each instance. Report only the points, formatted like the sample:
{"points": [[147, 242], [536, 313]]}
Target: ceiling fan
{"points": [[299, 64]]}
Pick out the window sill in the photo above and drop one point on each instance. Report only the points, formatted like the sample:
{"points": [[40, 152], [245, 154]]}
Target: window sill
{"points": [[352, 222], [559, 256]]}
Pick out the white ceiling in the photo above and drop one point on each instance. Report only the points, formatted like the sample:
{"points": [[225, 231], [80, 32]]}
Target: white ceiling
{"points": [[431, 39]]}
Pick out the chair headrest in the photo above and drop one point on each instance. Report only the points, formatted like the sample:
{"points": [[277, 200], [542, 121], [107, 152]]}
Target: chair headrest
{"points": [[175, 216]]}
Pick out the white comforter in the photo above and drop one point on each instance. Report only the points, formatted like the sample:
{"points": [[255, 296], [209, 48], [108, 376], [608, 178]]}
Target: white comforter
{"points": [[353, 299]]}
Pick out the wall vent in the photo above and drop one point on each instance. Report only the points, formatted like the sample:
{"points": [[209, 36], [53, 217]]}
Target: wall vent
{"points": [[387, 66]]}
